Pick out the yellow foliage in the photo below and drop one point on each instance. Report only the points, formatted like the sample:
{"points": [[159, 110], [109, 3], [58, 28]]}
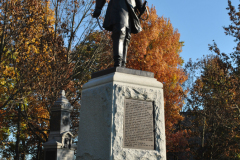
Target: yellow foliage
{"points": [[29, 29]]}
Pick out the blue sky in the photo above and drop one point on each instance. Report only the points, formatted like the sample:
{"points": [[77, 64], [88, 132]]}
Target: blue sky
{"points": [[199, 22]]}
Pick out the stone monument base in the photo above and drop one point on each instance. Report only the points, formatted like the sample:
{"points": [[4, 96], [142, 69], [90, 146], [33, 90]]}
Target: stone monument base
{"points": [[106, 129], [58, 153]]}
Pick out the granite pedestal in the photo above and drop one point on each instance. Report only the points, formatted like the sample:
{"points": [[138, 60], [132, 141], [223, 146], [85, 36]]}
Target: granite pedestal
{"points": [[102, 115]]}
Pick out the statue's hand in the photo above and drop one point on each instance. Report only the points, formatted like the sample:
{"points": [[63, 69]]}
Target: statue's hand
{"points": [[96, 13]]}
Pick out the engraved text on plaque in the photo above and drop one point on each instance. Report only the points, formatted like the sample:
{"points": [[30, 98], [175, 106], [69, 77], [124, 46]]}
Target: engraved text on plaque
{"points": [[138, 124]]}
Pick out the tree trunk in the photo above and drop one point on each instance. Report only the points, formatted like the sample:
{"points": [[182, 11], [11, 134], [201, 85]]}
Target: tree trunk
{"points": [[38, 151], [23, 153], [18, 134], [204, 120]]}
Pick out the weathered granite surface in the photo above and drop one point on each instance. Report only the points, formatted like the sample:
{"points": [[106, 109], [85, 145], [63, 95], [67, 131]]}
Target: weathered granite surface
{"points": [[102, 112]]}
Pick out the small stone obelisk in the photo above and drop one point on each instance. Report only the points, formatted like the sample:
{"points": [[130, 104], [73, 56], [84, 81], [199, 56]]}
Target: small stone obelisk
{"points": [[59, 144]]}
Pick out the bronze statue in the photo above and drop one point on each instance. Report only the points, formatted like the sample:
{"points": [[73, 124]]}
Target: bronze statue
{"points": [[122, 20]]}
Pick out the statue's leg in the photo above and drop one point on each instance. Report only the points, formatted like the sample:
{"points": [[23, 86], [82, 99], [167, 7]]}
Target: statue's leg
{"points": [[118, 37], [125, 47]]}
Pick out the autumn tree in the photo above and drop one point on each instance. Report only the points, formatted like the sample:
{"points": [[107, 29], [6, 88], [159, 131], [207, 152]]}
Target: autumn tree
{"points": [[26, 68], [213, 99], [215, 106]]}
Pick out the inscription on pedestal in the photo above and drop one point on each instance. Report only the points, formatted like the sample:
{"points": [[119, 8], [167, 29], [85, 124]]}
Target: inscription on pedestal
{"points": [[138, 126]]}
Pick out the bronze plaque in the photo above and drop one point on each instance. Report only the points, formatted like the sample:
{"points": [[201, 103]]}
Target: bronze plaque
{"points": [[138, 129]]}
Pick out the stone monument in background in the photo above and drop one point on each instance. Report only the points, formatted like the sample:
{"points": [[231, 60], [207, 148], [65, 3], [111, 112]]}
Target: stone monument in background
{"points": [[59, 145], [122, 117]]}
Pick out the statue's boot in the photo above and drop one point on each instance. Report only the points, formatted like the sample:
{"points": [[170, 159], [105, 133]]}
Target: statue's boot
{"points": [[118, 37], [125, 48]]}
